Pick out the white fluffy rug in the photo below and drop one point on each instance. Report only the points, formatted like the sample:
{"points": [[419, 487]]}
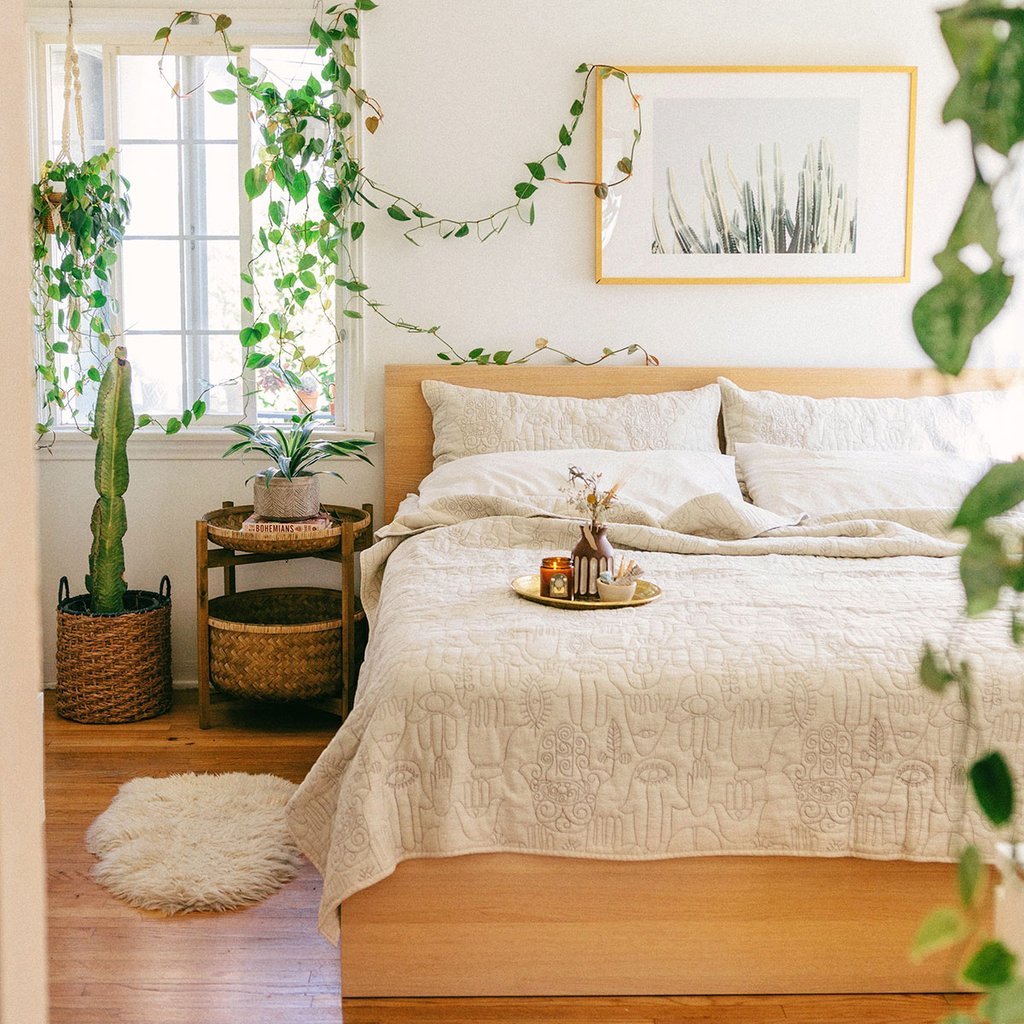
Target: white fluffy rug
{"points": [[195, 842]]}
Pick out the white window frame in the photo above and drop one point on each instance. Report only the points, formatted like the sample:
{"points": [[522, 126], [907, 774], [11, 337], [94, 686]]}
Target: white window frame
{"points": [[108, 30]]}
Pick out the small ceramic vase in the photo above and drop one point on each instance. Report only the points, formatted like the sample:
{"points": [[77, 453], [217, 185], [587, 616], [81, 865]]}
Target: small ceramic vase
{"points": [[592, 556]]}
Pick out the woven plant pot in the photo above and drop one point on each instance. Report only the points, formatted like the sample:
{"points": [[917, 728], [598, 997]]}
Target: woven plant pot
{"points": [[278, 644], [286, 500], [114, 668]]}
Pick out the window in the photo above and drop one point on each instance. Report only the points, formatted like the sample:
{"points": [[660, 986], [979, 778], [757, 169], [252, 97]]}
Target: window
{"points": [[178, 284]]}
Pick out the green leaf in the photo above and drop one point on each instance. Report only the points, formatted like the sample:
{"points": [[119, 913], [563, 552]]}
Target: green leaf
{"points": [[1005, 1005], [625, 165], [162, 33], [186, 417], [298, 187], [601, 191], [560, 160], [576, 109], [564, 136], [364, 5], [144, 420], [463, 231], [61, 347], [225, 96], [353, 314], [993, 965], [999, 490], [93, 374], [501, 358], [257, 360], [935, 676], [358, 227], [989, 55], [968, 875], [307, 261], [984, 571], [173, 425], [582, 69], [537, 170], [395, 212], [308, 278], [198, 408], [524, 190], [221, 23], [476, 353], [942, 928], [993, 787]]}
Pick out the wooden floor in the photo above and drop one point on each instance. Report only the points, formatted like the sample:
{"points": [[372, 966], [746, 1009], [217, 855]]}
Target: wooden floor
{"points": [[111, 964]]}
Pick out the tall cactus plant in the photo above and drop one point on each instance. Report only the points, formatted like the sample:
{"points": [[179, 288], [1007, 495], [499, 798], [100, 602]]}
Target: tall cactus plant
{"points": [[114, 423]]}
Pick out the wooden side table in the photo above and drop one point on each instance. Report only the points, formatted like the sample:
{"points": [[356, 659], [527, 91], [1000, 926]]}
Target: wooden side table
{"points": [[213, 551]]}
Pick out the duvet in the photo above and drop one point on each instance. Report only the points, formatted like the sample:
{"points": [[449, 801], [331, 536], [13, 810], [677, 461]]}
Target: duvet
{"points": [[768, 703]]}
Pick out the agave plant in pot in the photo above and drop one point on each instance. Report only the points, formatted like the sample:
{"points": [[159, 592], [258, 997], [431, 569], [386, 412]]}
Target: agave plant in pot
{"points": [[289, 489], [113, 644]]}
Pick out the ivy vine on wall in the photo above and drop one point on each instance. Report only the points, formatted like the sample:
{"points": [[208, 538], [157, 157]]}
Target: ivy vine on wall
{"points": [[317, 189]]}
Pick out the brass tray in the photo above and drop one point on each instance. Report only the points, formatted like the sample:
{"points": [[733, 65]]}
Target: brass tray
{"points": [[529, 587]]}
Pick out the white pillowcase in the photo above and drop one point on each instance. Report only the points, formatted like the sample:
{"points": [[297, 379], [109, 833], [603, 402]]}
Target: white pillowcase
{"points": [[657, 482], [475, 421], [792, 480], [972, 424]]}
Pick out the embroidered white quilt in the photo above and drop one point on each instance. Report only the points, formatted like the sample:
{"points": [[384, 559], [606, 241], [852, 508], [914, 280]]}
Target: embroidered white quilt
{"points": [[767, 704]]}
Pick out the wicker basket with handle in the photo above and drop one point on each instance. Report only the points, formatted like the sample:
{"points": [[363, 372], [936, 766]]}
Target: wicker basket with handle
{"points": [[278, 644], [114, 668]]}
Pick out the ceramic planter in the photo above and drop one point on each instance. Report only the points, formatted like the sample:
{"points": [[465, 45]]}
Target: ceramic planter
{"points": [[286, 500]]}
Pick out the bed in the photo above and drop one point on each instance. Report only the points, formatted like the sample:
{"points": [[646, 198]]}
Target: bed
{"points": [[643, 872]]}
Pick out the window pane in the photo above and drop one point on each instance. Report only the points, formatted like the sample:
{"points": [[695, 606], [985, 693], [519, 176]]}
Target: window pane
{"points": [[225, 355], [222, 189], [218, 308], [153, 173], [156, 372], [148, 109], [220, 120], [152, 285], [90, 70]]}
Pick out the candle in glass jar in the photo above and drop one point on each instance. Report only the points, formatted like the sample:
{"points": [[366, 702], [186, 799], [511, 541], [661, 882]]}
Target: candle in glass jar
{"points": [[556, 577]]}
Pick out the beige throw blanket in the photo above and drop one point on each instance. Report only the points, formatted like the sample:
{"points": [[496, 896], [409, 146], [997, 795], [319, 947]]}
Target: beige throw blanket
{"points": [[767, 704]]}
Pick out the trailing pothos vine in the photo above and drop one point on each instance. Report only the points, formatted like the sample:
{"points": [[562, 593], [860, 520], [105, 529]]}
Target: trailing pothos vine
{"points": [[316, 188], [986, 42], [79, 215]]}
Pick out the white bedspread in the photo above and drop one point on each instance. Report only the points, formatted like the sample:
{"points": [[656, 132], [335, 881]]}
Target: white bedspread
{"points": [[767, 704]]}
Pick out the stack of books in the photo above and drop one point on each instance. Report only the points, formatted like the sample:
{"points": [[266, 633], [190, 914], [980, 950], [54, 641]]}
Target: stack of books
{"points": [[259, 525]]}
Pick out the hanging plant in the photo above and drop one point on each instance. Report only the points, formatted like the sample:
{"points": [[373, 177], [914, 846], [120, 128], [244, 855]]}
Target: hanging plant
{"points": [[317, 187]]}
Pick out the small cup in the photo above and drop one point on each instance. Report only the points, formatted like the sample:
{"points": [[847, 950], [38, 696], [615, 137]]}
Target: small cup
{"points": [[616, 591]]}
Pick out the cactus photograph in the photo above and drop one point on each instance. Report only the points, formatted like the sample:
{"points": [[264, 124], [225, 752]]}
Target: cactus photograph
{"points": [[757, 175], [739, 176]]}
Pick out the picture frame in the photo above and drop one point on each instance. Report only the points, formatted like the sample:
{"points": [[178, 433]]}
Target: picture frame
{"points": [[756, 175]]}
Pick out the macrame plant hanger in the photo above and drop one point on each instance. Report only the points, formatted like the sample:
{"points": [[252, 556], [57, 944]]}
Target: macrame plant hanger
{"points": [[72, 98]]}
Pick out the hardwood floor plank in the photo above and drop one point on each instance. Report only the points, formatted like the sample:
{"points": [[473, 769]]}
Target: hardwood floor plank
{"points": [[112, 964]]}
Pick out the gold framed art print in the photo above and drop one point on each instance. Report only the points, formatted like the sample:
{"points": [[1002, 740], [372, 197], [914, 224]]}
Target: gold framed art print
{"points": [[757, 175]]}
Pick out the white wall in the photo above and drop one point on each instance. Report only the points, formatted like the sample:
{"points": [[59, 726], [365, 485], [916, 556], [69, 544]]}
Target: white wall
{"points": [[22, 894], [472, 89]]}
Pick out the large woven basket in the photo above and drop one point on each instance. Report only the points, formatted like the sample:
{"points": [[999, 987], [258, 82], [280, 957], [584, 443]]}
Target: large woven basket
{"points": [[279, 644], [114, 668]]}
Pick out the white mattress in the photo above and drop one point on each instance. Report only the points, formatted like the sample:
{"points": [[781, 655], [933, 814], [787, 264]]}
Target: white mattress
{"points": [[767, 704]]}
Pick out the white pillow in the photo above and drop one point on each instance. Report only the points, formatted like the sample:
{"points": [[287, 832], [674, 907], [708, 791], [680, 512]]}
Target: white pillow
{"points": [[971, 424], [475, 421], [792, 480], [657, 482]]}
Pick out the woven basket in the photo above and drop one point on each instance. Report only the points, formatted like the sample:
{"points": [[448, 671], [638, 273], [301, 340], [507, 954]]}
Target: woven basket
{"points": [[114, 668], [284, 500], [280, 644]]}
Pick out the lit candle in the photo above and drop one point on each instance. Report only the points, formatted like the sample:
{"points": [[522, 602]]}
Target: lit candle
{"points": [[556, 577]]}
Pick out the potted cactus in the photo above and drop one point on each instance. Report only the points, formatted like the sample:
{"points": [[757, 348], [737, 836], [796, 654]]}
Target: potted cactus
{"points": [[289, 490], [113, 644]]}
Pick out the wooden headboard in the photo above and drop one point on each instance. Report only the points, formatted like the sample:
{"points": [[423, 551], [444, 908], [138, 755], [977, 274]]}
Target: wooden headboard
{"points": [[409, 438]]}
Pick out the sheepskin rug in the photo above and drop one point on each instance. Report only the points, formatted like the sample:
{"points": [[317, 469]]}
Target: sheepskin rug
{"points": [[195, 842]]}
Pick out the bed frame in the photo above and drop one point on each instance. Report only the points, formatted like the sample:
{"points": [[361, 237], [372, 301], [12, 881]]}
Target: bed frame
{"points": [[517, 925]]}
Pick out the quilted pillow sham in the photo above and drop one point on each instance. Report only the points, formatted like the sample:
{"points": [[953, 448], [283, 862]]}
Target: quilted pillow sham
{"points": [[476, 421], [964, 424], [789, 481]]}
